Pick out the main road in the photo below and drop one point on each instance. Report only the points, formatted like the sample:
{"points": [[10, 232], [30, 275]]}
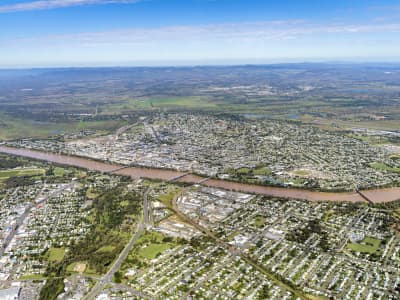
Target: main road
{"points": [[235, 251], [107, 278], [377, 195]]}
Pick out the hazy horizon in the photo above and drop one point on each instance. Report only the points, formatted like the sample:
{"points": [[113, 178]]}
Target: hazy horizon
{"points": [[189, 64], [69, 33]]}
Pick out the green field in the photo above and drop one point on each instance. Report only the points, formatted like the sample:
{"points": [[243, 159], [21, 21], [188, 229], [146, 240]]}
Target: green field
{"points": [[18, 128], [187, 102], [167, 198], [244, 171], [384, 167], [56, 254], [32, 277], [262, 171], [13, 128], [124, 203], [20, 172], [337, 124], [59, 171], [71, 267], [182, 102], [259, 221], [247, 172], [152, 250], [301, 173], [79, 267], [150, 245], [106, 249], [91, 194], [368, 245]]}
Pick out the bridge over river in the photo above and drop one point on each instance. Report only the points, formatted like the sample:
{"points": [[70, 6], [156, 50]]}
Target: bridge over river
{"points": [[375, 196]]}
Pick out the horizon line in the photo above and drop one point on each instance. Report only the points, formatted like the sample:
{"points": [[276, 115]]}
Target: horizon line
{"points": [[188, 65]]}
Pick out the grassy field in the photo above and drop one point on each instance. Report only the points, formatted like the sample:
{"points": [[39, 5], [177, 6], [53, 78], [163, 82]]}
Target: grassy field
{"points": [[167, 198], [13, 128], [20, 172], [106, 249], [71, 267], [77, 267], [243, 171], [175, 102], [187, 102], [259, 171], [259, 221], [152, 250], [124, 203], [16, 128], [301, 173], [262, 171], [383, 167], [59, 171], [32, 277], [368, 245], [91, 194], [336, 124], [56, 254], [150, 245], [91, 271]]}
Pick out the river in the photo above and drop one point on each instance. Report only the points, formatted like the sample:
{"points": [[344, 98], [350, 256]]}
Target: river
{"points": [[376, 195]]}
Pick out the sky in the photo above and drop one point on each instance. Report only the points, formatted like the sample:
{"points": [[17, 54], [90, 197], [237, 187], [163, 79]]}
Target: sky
{"points": [[61, 33]]}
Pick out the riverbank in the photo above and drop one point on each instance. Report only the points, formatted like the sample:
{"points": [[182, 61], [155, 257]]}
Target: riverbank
{"points": [[375, 195]]}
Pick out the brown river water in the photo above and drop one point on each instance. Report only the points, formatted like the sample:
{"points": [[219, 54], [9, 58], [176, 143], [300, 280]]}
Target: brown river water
{"points": [[377, 195]]}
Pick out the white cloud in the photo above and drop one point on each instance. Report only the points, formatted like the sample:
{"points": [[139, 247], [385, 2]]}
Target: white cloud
{"points": [[212, 33], [258, 40], [52, 4]]}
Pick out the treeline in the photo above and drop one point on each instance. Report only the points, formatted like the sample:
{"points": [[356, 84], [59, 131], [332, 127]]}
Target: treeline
{"points": [[16, 181], [109, 215], [301, 235], [52, 288], [10, 162], [387, 205], [109, 211]]}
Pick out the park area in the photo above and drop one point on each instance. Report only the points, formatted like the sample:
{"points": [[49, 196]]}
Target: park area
{"points": [[153, 244], [56, 254], [4, 174], [368, 245]]}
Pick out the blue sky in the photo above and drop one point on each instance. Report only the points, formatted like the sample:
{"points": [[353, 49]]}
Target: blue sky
{"points": [[179, 32]]}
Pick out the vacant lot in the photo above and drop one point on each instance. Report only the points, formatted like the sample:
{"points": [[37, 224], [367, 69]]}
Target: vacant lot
{"points": [[78, 267]]}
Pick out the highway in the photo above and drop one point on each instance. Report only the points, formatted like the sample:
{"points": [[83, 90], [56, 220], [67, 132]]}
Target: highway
{"points": [[107, 278]]}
